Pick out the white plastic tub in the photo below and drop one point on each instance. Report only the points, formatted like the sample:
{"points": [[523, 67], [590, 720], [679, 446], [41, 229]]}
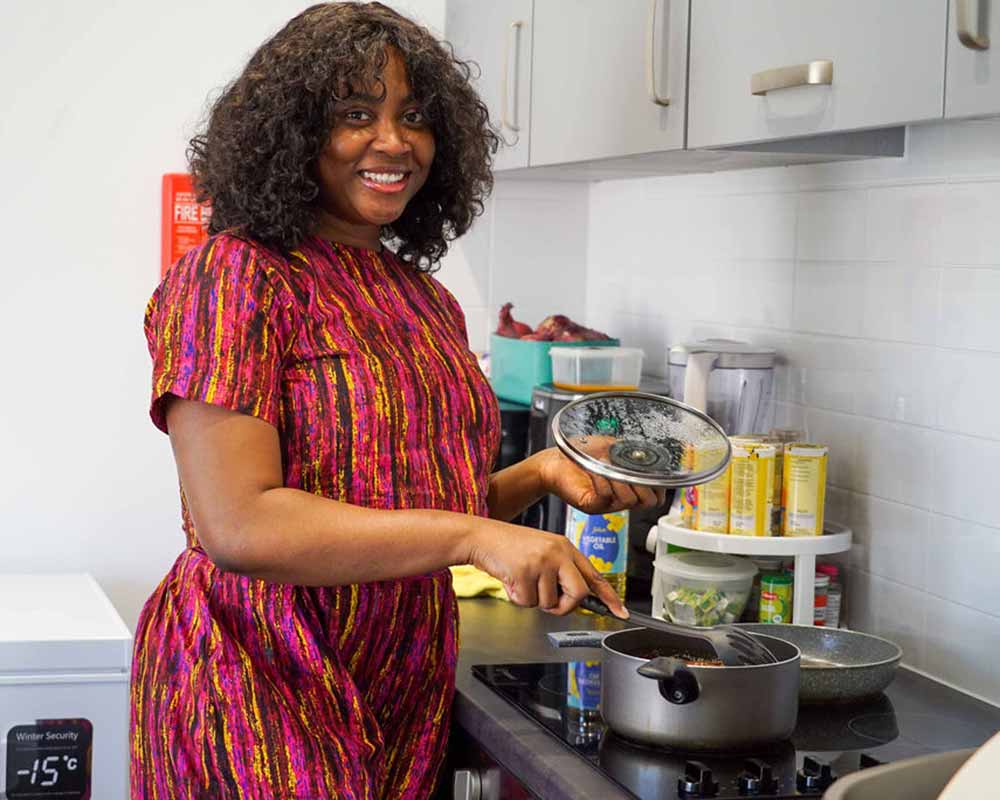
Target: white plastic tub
{"points": [[702, 589]]}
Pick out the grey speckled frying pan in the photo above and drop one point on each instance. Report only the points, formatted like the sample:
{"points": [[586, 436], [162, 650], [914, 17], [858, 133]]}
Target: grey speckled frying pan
{"points": [[838, 666]]}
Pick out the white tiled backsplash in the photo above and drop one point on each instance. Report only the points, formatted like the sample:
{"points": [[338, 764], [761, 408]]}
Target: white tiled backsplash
{"points": [[879, 282]]}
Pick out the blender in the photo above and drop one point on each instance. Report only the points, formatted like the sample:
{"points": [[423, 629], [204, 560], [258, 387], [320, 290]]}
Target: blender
{"points": [[731, 381]]}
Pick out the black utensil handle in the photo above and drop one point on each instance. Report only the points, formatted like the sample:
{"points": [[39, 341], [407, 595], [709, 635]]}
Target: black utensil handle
{"points": [[678, 685], [593, 603]]}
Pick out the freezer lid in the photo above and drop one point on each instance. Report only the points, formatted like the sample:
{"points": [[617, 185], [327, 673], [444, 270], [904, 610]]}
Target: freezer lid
{"points": [[59, 623]]}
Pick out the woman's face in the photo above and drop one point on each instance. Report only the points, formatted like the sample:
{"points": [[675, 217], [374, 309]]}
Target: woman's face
{"points": [[378, 156]]}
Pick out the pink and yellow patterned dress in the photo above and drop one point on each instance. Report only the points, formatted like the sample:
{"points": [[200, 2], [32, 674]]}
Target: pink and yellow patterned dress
{"points": [[248, 689]]}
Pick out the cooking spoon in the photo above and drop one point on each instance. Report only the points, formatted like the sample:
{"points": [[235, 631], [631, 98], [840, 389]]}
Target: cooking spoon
{"points": [[733, 647]]}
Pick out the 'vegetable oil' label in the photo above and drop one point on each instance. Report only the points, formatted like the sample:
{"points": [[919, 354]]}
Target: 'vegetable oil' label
{"points": [[602, 538]]}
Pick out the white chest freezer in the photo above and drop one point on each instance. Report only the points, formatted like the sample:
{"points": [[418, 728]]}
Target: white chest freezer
{"points": [[64, 702]]}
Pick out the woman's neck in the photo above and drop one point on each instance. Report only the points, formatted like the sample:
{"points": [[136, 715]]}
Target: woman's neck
{"points": [[342, 232]]}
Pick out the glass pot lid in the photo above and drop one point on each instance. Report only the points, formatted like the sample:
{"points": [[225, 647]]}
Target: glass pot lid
{"points": [[641, 438]]}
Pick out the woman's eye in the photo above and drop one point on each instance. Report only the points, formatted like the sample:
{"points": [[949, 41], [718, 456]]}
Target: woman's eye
{"points": [[357, 115], [415, 117]]}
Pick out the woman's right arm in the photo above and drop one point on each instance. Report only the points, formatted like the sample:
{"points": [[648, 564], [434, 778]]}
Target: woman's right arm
{"points": [[249, 523]]}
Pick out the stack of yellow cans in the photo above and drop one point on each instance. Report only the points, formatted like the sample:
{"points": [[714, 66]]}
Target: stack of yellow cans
{"points": [[773, 487]]}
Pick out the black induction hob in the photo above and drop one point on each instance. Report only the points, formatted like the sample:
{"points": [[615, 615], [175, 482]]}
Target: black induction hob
{"points": [[828, 742]]}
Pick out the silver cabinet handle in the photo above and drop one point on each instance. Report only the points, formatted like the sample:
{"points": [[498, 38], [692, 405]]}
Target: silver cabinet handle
{"points": [[972, 31], [811, 74], [512, 35], [654, 96]]}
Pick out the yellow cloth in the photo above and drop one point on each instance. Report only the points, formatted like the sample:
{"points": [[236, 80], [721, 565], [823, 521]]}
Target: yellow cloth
{"points": [[472, 582]]}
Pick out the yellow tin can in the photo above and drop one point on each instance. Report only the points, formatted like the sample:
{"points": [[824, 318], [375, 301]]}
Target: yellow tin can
{"points": [[751, 492], [804, 493], [779, 447], [705, 507]]}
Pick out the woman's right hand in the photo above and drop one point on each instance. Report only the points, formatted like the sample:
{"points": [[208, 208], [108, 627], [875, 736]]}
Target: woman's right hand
{"points": [[538, 568]]}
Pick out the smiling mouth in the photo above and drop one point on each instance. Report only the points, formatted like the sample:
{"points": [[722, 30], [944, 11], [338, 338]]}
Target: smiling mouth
{"points": [[385, 181]]}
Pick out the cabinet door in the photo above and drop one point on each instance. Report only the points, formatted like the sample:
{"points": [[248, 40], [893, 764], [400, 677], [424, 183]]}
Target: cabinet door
{"points": [[973, 84], [592, 93], [773, 69], [497, 36]]}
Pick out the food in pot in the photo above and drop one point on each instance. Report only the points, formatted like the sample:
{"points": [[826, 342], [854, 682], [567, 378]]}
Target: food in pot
{"points": [[692, 661], [704, 607]]}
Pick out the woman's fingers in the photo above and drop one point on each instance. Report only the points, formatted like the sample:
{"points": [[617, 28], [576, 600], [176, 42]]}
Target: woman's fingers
{"points": [[602, 488], [625, 494], [548, 590], [573, 588], [648, 498]]}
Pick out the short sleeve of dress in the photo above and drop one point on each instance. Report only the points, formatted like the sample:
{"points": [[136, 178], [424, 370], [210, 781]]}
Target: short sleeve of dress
{"points": [[219, 328]]}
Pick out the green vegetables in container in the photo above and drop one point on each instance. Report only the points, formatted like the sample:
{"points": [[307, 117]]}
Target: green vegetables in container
{"points": [[703, 608], [703, 589]]}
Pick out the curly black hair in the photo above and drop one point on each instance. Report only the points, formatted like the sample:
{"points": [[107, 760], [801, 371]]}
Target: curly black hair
{"points": [[255, 160]]}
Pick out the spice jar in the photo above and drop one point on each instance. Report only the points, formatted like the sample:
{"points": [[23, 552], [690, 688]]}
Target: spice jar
{"points": [[820, 599], [834, 595]]}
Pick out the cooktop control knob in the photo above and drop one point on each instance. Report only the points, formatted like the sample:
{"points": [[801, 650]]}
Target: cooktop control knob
{"points": [[697, 781], [814, 776], [757, 778]]}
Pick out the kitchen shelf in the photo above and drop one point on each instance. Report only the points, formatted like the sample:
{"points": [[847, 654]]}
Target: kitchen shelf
{"points": [[836, 538]]}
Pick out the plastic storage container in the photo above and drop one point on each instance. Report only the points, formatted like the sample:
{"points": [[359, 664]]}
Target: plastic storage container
{"points": [[519, 365], [702, 589], [596, 369]]}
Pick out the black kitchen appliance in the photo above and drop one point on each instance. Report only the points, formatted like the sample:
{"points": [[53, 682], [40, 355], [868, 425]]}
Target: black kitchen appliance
{"points": [[550, 513], [829, 741], [514, 424]]}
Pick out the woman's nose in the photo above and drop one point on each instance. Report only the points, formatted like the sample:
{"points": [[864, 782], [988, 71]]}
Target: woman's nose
{"points": [[390, 138]]}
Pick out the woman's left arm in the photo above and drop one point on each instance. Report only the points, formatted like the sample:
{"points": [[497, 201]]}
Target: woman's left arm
{"points": [[518, 486]]}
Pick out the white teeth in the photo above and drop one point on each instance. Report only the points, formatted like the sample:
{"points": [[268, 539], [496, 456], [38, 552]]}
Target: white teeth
{"points": [[383, 177]]}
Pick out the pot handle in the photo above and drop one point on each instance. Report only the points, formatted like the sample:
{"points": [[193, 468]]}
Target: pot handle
{"points": [[576, 638], [678, 685]]}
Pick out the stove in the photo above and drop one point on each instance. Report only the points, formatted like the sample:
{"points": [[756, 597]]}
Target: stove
{"points": [[828, 742]]}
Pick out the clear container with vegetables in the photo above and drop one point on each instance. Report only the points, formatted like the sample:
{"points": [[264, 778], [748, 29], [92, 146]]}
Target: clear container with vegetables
{"points": [[702, 589]]}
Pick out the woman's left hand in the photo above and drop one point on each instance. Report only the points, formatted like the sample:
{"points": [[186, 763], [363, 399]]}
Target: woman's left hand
{"points": [[590, 493]]}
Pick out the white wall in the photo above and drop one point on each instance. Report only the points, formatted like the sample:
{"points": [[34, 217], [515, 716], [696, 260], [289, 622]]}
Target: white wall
{"points": [[529, 248], [880, 284], [99, 100]]}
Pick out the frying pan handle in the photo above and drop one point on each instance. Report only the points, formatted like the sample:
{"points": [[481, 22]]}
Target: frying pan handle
{"points": [[678, 685]]}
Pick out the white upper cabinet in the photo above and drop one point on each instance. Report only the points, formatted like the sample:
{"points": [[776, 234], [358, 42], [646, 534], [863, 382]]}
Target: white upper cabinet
{"points": [[775, 69], [497, 36], [609, 78], [973, 84]]}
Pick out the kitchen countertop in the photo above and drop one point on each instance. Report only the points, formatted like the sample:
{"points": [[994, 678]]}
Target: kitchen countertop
{"points": [[494, 631]]}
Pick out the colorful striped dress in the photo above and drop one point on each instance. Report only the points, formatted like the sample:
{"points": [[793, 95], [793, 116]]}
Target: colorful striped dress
{"points": [[248, 689]]}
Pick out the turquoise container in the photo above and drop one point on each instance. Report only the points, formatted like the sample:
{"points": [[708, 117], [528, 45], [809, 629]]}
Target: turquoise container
{"points": [[517, 365]]}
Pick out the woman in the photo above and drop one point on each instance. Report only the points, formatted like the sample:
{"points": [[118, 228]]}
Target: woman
{"points": [[332, 432]]}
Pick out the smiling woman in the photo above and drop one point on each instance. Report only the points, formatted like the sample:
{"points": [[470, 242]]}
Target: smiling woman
{"points": [[377, 158], [333, 434], [316, 90]]}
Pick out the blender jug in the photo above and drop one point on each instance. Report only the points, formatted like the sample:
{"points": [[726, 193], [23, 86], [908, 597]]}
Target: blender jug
{"points": [[733, 382]]}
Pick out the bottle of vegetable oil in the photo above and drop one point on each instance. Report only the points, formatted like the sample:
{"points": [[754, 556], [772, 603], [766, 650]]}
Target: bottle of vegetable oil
{"points": [[603, 539]]}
